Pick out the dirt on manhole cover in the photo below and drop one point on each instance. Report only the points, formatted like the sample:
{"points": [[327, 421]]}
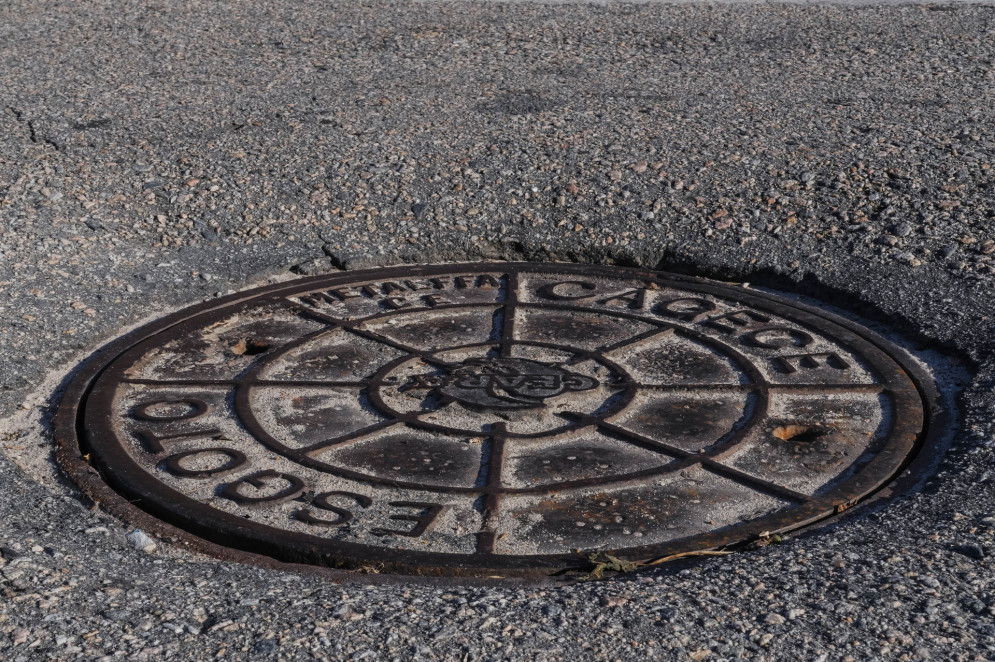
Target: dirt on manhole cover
{"points": [[491, 419]]}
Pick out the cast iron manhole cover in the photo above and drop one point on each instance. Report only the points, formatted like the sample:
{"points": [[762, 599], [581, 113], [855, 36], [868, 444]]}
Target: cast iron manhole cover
{"points": [[492, 418]]}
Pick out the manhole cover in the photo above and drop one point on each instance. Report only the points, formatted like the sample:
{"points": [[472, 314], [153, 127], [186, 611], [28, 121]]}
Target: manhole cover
{"points": [[492, 419]]}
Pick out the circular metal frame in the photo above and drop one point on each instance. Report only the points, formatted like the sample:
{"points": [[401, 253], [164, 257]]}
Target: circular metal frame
{"points": [[82, 418]]}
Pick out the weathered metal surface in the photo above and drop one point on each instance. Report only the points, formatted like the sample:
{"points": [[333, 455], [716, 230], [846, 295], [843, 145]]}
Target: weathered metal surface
{"points": [[493, 419]]}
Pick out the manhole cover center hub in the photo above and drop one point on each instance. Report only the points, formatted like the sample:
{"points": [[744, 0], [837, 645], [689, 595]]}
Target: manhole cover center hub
{"points": [[470, 389], [502, 383]]}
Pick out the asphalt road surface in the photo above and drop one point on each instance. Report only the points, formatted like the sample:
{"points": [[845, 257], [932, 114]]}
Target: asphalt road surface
{"points": [[157, 154]]}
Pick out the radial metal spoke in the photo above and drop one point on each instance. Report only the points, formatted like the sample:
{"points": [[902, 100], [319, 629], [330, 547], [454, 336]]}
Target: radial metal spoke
{"points": [[607, 349], [689, 459], [354, 328], [181, 382], [727, 388], [247, 382], [492, 488], [355, 435], [509, 312], [753, 482], [639, 440], [816, 389]]}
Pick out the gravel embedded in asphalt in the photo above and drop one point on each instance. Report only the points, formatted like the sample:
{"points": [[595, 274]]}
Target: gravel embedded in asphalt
{"points": [[157, 155]]}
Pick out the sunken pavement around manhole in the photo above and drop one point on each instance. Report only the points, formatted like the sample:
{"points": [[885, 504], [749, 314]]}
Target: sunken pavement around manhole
{"points": [[161, 154]]}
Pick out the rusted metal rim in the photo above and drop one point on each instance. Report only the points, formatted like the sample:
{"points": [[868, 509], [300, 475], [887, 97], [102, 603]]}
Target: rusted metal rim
{"points": [[83, 416]]}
